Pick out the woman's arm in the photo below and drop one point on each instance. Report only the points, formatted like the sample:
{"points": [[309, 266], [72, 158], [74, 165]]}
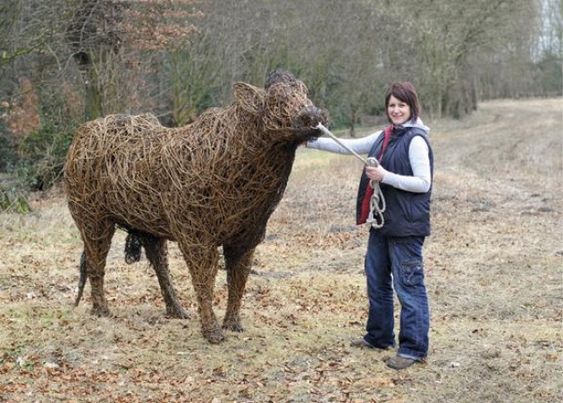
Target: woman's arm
{"points": [[360, 146], [420, 163]]}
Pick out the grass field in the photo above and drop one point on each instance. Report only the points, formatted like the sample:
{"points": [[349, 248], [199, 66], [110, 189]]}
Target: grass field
{"points": [[493, 272]]}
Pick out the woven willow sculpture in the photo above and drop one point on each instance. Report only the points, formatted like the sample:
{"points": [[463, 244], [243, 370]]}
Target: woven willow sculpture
{"points": [[214, 182]]}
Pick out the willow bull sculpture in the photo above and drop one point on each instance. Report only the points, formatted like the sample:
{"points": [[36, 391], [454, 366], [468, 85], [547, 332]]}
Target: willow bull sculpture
{"points": [[212, 183]]}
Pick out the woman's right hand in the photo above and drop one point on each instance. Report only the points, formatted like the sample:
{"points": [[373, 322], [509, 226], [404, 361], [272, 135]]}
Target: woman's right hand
{"points": [[375, 173]]}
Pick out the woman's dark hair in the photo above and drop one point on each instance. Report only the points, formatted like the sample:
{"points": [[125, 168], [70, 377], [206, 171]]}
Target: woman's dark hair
{"points": [[406, 93]]}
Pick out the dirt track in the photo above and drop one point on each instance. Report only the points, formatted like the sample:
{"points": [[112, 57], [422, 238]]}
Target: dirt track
{"points": [[493, 271]]}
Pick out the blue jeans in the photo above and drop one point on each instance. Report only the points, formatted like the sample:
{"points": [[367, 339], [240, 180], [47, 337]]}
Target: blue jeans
{"points": [[396, 262]]}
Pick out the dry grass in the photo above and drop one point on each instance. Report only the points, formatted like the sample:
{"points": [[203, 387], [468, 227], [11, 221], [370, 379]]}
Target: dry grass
{"points": [[493, 273]]}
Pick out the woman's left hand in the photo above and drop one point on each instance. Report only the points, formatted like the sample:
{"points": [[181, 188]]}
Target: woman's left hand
{"points": [[375, 173]]}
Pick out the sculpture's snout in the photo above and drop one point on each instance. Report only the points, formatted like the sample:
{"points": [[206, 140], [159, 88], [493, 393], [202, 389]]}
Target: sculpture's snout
{"points": [[309, 117]]}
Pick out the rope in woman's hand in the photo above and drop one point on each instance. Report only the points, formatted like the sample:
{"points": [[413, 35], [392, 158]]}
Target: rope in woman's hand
{"points": [[377, 203]]}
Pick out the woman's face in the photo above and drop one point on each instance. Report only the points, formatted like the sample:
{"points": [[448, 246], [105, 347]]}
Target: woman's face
{"points": [[398, 111]]}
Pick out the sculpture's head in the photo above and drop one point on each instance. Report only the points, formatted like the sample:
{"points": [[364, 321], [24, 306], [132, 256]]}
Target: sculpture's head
{"points": [[283, 107]]}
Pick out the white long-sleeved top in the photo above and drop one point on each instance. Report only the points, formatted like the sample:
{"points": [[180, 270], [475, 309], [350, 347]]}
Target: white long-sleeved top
{"points": [[418, 156]]}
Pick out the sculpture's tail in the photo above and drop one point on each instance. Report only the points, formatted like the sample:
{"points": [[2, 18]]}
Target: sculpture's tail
{"points": [[132, 248], [82, 279]]}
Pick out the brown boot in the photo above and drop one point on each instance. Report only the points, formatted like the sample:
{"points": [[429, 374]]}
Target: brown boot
{"points": [[362, 343], [398, 362]]}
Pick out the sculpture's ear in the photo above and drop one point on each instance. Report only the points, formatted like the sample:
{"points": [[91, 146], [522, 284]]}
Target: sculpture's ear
{"points": [[250, 98]]}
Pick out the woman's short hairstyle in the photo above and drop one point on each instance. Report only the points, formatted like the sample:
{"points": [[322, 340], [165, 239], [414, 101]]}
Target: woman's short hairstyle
{"points": [[406, 93]]}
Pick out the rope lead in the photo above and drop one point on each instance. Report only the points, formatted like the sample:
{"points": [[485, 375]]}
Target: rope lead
{"points": [[377, 203]]}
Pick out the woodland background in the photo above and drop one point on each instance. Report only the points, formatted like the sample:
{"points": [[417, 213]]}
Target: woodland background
{"points": [[63, 62]]}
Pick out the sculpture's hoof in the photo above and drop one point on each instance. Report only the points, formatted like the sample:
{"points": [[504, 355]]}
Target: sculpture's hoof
{"points": [[101, 311], [177, 313], [233, 325], [214, 336]]}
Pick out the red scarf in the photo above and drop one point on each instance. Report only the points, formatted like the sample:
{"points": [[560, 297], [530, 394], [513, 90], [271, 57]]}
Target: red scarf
{"points": [[364, 209]]}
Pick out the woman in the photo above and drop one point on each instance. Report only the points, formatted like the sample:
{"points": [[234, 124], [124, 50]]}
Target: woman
{"points": [[394, 253]]}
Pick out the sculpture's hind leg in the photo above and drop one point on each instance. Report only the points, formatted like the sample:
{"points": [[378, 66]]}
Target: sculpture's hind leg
{"points": [[238, 263], [157, 254], [97, 242], [202, 262]]}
